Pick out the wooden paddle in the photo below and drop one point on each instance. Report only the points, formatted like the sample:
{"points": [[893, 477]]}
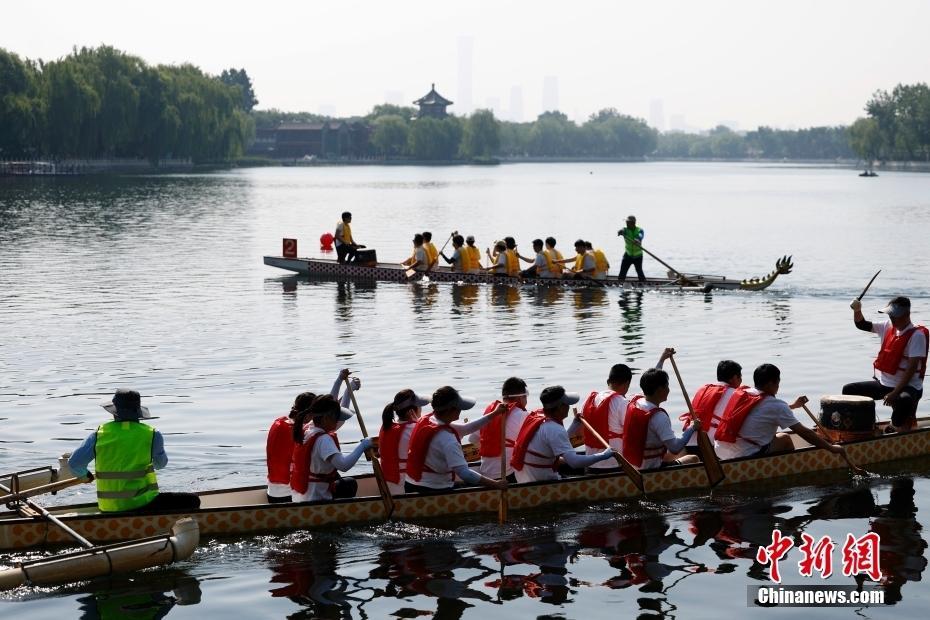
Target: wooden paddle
{"points": [[502, 506], [680, 275], [634, 474], [50, 517], [856, 469], [375, 463], [452, 234], [708, 456], [52, 487]]}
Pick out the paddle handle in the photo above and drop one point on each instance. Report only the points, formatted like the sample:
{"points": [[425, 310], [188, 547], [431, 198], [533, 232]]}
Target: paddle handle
{"points": [[502, 506], [45, 488], [45, 513], [369, 454], [868, 286], [666, 265], [624, 464], [708, 455]]}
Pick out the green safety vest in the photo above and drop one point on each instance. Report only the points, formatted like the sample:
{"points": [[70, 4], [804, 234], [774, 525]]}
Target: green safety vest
{"points": [[630, 235], [124, 471]]}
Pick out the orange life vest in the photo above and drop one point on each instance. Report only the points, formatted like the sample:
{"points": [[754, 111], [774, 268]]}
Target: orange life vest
{"points": [[301, 474], [600, 262], [635, 431], [891, 354], [392, 464], [420, 439], [597, 417], [513, 263], [490, 433], [522, 446], [704, 402], [471, 258], [734, 416], [279, 449]]}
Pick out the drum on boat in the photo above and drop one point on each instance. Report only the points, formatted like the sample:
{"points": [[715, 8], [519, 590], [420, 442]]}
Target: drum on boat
{"points": [[847, 418], [366, 258]]}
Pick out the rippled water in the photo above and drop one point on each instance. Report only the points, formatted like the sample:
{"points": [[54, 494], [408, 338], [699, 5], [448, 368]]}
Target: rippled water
{"points": [[157, 283]]}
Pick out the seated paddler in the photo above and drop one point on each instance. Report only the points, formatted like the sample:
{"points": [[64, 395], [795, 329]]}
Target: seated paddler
{"points": [[753, 416], [459, 259], [435, 458], [514, 395], [397, 421], [318, 459], [126, 452], [543, 443], [419, 260]]}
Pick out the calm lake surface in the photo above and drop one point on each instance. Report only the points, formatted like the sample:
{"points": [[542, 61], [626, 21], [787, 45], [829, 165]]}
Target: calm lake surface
{"points": [[157, 283]]}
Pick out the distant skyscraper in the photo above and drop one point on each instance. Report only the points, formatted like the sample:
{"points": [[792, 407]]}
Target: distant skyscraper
{"points": [[394, 97], [657, 114], [466, 51], [550, 94], [516, 104]]}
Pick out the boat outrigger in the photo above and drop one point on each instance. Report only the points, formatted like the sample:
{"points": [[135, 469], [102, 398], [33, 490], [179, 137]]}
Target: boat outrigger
{"points": [[244, 511], [395, 272]]}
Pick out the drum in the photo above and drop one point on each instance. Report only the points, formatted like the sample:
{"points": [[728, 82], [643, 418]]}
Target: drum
{"points": [[366, 258], [847, 418]]}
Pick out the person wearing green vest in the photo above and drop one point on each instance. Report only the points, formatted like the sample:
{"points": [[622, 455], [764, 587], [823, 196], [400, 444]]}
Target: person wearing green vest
{"points": [[633, 252], [126, 453]]}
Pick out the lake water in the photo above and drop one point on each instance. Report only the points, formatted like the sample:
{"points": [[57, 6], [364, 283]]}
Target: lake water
{"points": [[157, 283]]}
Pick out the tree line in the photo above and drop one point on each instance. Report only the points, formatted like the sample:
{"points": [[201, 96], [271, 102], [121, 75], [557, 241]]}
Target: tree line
{"points": [[897, 127], [101, 103]]}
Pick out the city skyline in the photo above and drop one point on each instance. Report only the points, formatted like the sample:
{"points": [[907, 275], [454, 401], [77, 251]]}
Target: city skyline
{"points": [[782, 64]]}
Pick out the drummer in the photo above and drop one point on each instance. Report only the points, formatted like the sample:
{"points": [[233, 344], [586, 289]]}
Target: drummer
{"points": [[898, 378]]}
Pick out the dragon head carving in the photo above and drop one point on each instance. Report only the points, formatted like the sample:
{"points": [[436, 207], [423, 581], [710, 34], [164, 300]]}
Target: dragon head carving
{"points": [[782, 266]]}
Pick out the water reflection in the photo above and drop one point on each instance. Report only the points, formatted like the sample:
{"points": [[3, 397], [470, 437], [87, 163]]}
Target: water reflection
{"points": [[632, 331], [424, 295], [902, 547], [505, 297], [549, 582], [138, 600], [464, 295]]}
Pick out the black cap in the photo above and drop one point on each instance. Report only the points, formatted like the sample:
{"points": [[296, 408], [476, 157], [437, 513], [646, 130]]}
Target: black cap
{"points": [[556, 394]]}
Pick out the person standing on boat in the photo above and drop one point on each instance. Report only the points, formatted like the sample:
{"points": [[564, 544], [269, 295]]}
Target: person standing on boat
{"points": [[472, 255], [711, 400], [633, 251], [555, 257], [432, 254], [543, 440], [458, 256], [279, 447], [317, 456], [127, 452], [419, 260], [898, 377], [435, 457], [647, 429], [345, 244], [394, 437], [604, 411], [488, 439], [753, 416]]}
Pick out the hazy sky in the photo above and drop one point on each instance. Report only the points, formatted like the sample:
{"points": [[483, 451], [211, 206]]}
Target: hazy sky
{"points": [[784, 63]]}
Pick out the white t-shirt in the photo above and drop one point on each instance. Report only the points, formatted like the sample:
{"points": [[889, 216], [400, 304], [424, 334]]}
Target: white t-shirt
{"points": [[551, 441], [443, 455], [340, 232], [457, 260], [916, 347], [403, 445], [422, 260], [658, 433], [491, 465], [759, 428], [324, 448], [615, 412], [588, 263], [718, 412], [542, 266], [501, 263]]}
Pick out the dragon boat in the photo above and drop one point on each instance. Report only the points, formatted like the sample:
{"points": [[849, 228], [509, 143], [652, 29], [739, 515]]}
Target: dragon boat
{"points": [[394, 272], [244, 511]]}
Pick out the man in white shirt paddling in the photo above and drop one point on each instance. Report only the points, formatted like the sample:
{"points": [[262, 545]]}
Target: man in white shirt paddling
{"points": [[898, 376]]}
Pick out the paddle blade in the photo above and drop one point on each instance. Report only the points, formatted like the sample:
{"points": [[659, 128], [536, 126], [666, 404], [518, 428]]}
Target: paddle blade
{"points": [[635, 475], [709, 457], [502, 507]]}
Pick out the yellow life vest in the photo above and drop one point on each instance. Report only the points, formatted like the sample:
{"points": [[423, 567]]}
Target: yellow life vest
{"points": [[346, 233], [513, 263], [431, 252], [550, 266], [471, 258], [600, 262], [579, 262], [555, 255]]}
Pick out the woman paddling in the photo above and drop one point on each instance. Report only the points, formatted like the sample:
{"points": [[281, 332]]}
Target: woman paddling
{"points": [[317, 456], [394, 437], [435, 456]]}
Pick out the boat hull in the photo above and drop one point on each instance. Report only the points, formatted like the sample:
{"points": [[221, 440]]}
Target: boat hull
{"points": [[243, 511]]}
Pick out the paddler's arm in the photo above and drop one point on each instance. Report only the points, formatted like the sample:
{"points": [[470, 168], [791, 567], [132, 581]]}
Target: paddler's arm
{"points": [[345, 462], [667, 353], [470, 476], [816, 440], [467, 428], [81, 458], [446, 258], [525, 259], [858, 319], [913, 365], [672, 443]]}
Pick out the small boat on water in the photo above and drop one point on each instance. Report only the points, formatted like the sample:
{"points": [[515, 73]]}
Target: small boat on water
{"points": [[394, 272], [244, 511]]}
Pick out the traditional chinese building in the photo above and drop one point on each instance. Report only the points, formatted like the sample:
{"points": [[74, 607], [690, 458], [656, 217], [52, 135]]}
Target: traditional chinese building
{"points": [[329, 139], [432, 104]]}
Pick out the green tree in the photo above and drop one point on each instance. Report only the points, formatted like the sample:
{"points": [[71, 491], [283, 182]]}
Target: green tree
{"points": [[481, 135], [21, 110], [389, 109], [865, 138], [239, 78], [389, 136], [433, 139]]}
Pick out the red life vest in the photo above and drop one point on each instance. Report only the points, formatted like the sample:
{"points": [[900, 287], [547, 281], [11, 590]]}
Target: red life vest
{"points": [[635, 431], [278, 450], [597, 417], [392, 464], [891, 354], [301, 474], [734, 416], [490, 433], [704, 402], [420, 439], [522, 446]]}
